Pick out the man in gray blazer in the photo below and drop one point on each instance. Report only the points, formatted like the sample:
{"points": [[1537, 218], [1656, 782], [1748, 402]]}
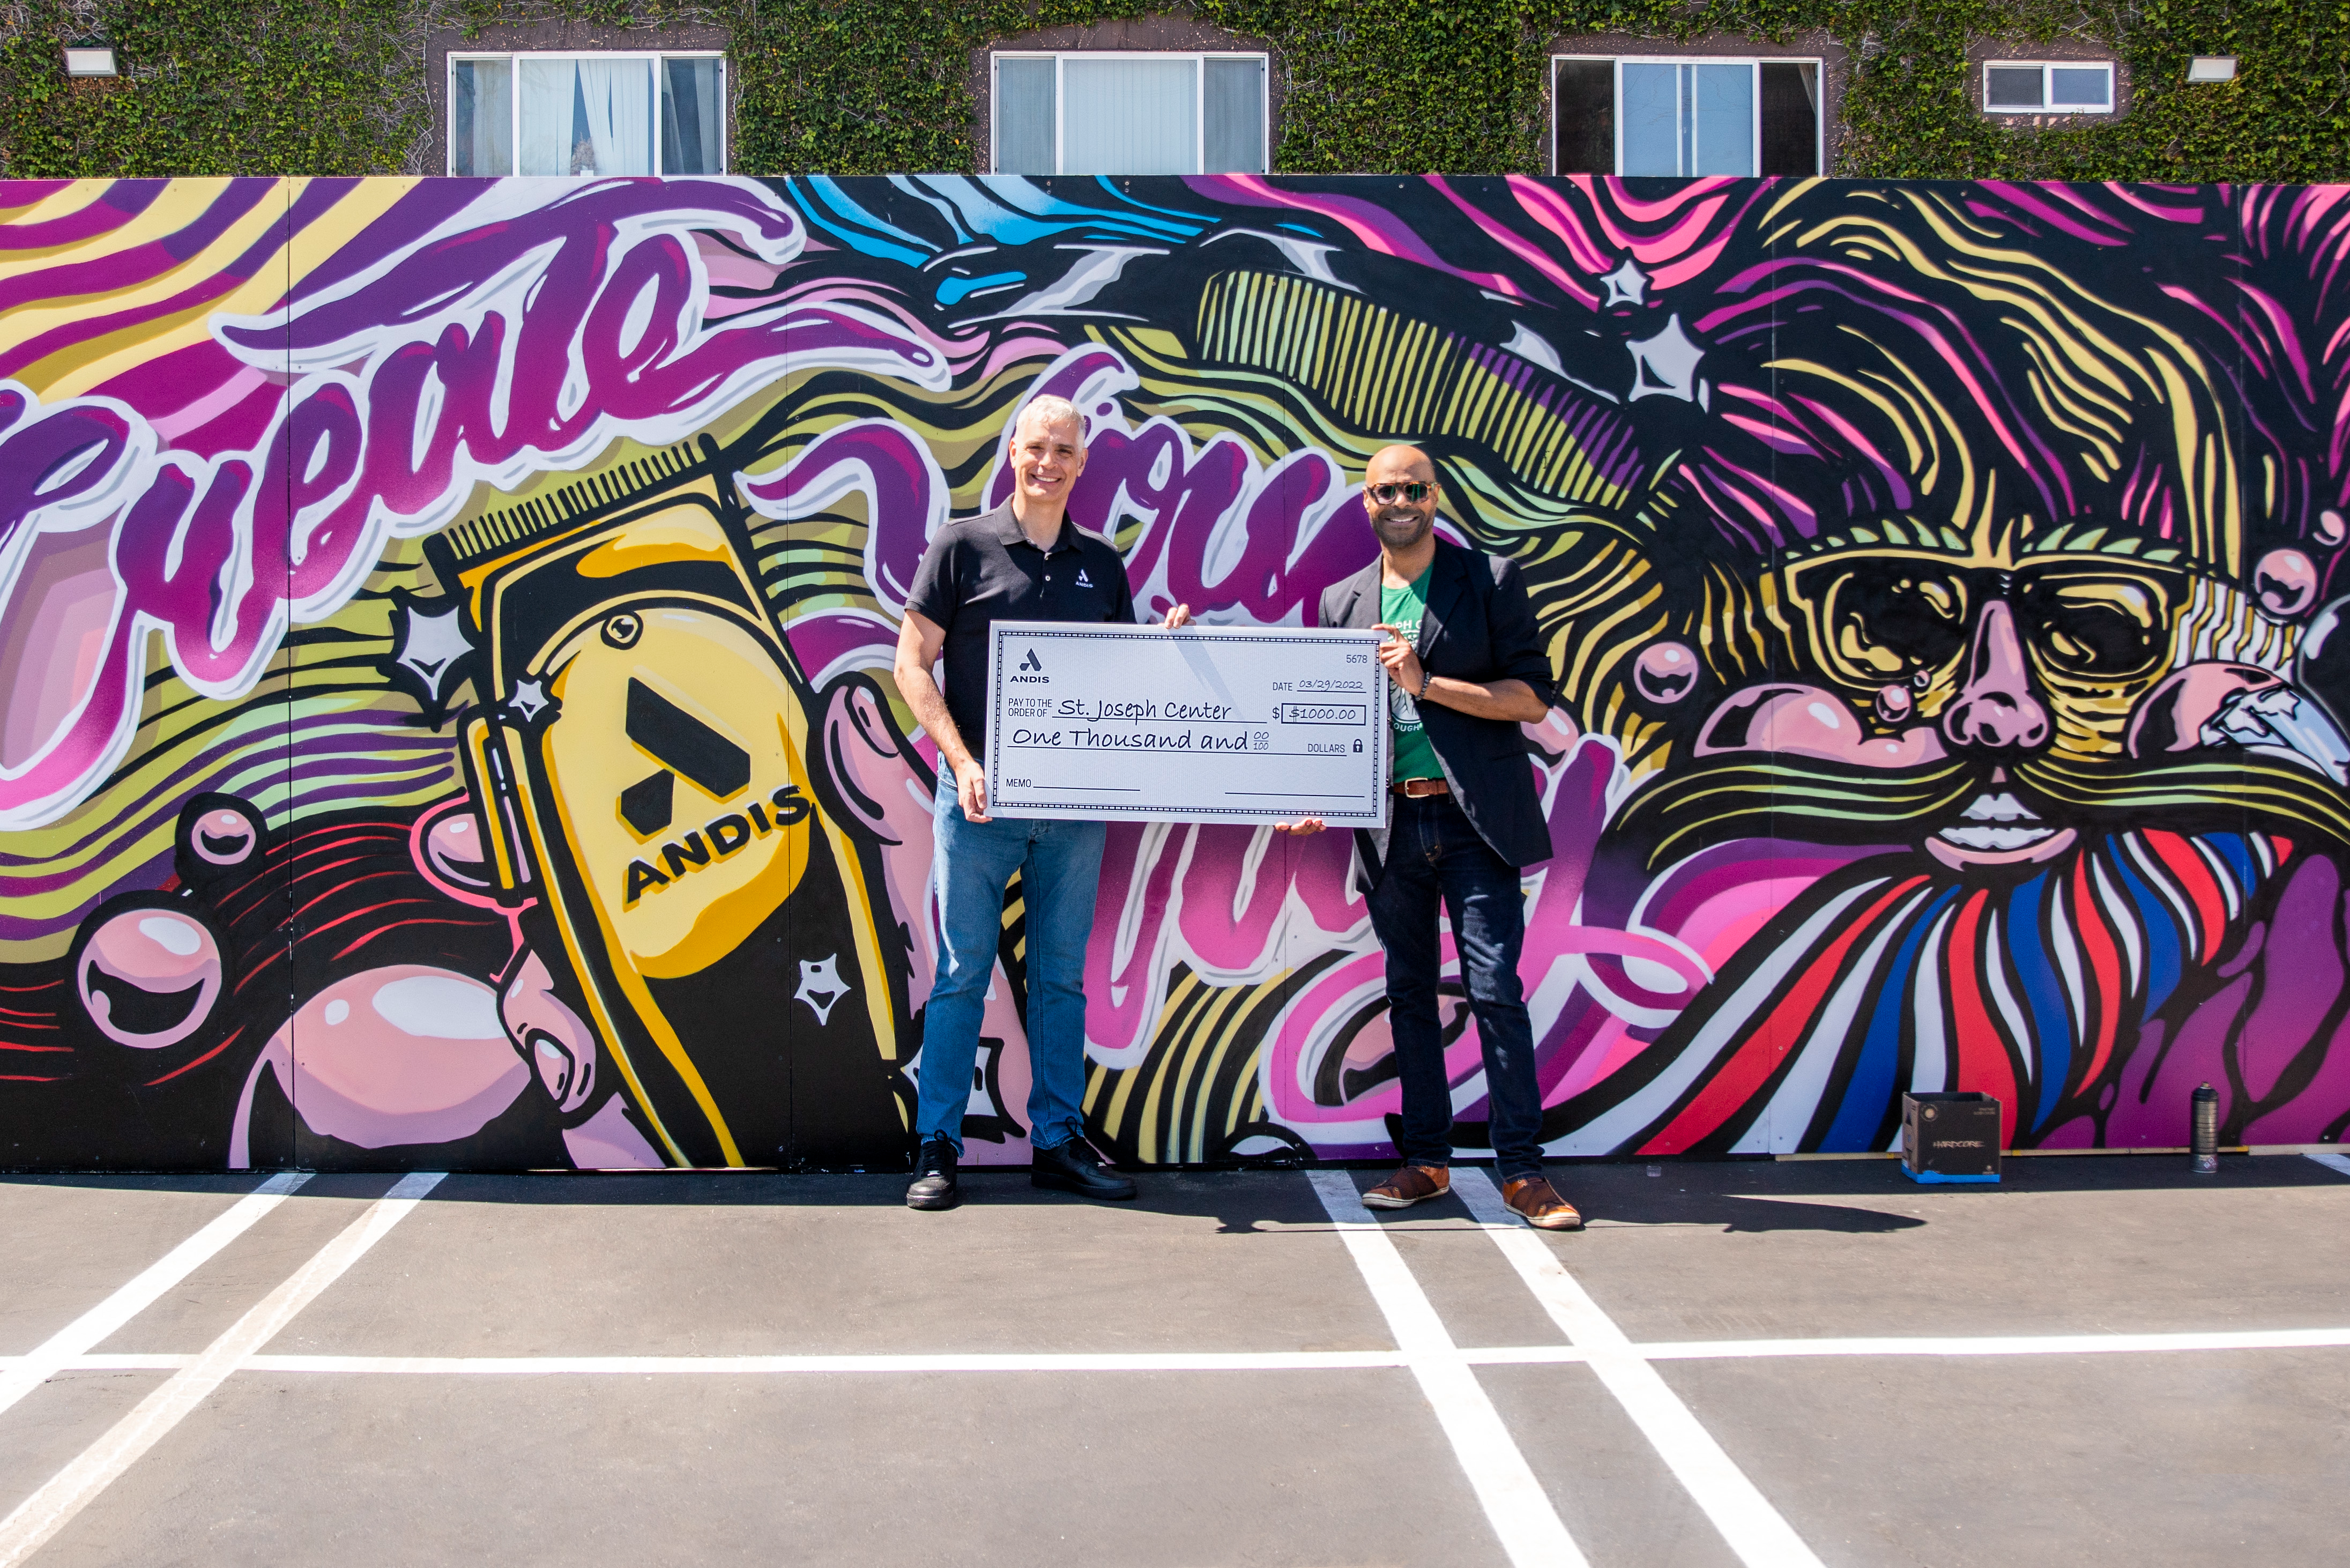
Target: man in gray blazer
{"points": [[1465, 668]]}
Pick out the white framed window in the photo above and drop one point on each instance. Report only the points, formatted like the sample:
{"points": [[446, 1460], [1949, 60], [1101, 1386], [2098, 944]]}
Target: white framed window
{"points": [[1114, 112], [1633, 114], [2048, 87], [573, 114]]}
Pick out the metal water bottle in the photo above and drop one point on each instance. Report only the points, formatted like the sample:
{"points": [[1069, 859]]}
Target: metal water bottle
{"points": [[2207, 1131]]}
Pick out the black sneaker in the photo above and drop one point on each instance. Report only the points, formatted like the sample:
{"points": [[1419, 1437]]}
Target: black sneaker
{"points": [[934, 1176], [1072, 1167]]}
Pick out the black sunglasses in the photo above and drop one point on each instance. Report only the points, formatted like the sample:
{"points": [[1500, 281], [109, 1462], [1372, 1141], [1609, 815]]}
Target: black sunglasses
{"points": [[1880, 617], [1415, 493]]}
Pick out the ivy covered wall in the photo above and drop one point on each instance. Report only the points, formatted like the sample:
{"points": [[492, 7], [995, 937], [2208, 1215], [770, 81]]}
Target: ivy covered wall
{"points": [[337, 87]]}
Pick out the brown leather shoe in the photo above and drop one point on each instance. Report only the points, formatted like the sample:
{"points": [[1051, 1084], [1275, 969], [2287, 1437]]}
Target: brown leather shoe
{"points": [[1413, 1184], [1534, 1200]]}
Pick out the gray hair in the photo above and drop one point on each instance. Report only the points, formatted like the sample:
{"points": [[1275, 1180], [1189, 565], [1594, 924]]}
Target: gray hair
{"points": [[1052, 410]]}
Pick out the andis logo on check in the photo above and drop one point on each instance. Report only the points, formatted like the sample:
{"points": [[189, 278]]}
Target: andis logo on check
{"points": [[1036, 664]]}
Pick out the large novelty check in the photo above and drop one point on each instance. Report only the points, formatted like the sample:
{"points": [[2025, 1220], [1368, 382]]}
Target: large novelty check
{"points": [[1206, 724]]}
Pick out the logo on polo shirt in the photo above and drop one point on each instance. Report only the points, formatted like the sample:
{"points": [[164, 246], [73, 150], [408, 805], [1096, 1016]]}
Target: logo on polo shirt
{"points": [[1083, 581]]}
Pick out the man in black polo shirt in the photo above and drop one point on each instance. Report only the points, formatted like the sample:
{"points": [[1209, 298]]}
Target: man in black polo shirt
{"points": [[1024, 561]]}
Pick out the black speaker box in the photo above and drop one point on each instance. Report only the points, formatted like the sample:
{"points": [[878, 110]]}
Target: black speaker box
{"points": [[1949, 1137]]}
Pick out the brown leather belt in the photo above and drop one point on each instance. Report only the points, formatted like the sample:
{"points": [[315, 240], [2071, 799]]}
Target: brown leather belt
{"points": [[1417, 789]]}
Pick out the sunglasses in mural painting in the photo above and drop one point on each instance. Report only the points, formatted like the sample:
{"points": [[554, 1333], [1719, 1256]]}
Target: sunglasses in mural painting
{"points": [[2095, 632], [646, 772]]}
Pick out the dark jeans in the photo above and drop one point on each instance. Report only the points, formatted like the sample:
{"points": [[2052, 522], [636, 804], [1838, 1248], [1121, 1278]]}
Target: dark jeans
{"points": [[1435, 858]]}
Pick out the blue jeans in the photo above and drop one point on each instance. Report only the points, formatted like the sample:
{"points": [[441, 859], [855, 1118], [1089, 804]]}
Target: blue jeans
{"points": [[1060, 867], [1435, 859]]}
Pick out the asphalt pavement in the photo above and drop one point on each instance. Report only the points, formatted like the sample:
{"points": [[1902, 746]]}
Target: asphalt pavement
{"points": [[2104, 1360]]}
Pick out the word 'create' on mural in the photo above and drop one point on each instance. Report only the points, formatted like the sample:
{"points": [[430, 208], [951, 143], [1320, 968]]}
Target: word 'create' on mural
{"points": [[445, 628]]}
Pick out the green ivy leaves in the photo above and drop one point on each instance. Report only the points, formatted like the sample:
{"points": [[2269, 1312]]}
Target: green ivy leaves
{"points": [[851, 87], [259, 87]]}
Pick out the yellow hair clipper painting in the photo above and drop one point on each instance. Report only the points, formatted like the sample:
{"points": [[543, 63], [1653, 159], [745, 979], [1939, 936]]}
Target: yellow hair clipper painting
{"points": [[645, 774]]}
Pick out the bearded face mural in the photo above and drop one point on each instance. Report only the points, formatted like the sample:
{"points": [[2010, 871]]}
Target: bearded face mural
{"points": [[2006, 690], [447, 717]]}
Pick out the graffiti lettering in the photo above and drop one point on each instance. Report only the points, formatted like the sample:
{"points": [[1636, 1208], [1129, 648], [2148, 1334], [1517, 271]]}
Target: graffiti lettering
{"points": [[514, 338], [725, 836]]}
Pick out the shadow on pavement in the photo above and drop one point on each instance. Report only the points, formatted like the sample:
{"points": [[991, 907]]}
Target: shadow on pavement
{"points": [[1768, 1195], [1736, 1195]]}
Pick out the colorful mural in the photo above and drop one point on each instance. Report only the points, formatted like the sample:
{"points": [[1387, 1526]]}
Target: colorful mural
{"points": [[445, 627]]}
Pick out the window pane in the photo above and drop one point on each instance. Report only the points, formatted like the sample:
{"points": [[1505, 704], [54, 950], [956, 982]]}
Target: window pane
{"points": [[694, 103], [1790, 118], [586, 116], [1649, 109], [1235, 128], [2012, 87], [2077, 86], [1725, 120], [1024, 117], [616, 97], [546, 88], [1584, 100], [1129, 116], [481, 117]]}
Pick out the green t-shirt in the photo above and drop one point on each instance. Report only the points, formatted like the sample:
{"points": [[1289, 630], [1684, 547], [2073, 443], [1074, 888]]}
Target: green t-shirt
{"points": [[1401, 608]]}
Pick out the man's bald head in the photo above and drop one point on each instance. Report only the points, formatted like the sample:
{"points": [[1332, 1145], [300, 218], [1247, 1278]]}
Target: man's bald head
{"points": [[1399, 464]]}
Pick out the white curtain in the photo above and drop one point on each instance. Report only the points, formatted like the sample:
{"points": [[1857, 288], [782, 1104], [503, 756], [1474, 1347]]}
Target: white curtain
{"points": [[1129, 116], [694, 94], [620, 98], [481, 118], [547, 88], [580, 116]]}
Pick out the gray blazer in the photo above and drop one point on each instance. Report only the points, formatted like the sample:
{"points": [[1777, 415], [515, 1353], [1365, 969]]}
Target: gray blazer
{"points": [[1479, 626]]}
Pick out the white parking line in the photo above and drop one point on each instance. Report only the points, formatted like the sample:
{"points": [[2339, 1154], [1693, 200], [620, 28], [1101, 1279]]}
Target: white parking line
{"points": [[95, 1326], [1745, 1518], [2340, 1162], [67, 1493], [2002, 1344], [2187, 1342], [1514, 1502], [768, 1365]]}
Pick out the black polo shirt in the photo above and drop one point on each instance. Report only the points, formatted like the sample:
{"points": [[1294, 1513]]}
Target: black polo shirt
{"points": [[983, 569]]}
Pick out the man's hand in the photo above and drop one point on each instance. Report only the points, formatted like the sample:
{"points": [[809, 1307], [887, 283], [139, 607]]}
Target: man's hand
{"points": [[1300, 828], [919, 642], [1401, 659], [1509, 698], [1180, 616], [971, 790]]}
